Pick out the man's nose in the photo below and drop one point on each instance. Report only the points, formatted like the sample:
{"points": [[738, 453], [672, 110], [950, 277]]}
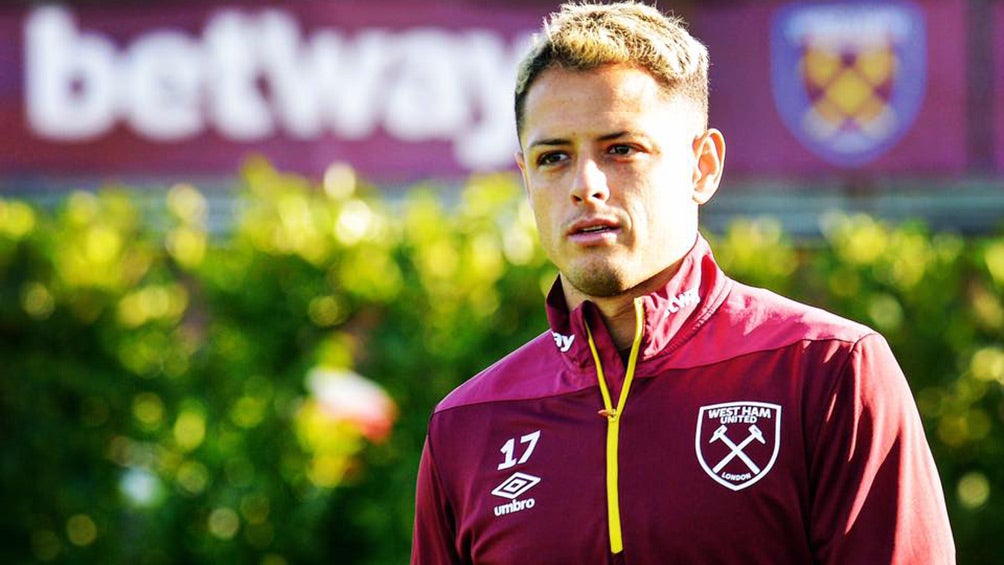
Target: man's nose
{"points": [[590, 182]]}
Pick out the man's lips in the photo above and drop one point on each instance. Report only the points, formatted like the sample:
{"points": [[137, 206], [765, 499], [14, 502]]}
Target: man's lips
{"points": [[593, 230]]}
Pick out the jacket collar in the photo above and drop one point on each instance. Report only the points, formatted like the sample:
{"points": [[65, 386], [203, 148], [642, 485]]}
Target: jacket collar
{"points": [[673, 313]]}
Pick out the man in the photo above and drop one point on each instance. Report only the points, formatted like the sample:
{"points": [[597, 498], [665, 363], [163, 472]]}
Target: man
{"points": [[671, 415]]}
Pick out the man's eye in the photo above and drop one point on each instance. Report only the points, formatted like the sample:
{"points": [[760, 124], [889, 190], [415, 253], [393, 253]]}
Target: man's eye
{"points": [[550, 158], [621, 150]]}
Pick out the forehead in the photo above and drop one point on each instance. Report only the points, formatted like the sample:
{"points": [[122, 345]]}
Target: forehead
{"points": [[564, 102]]}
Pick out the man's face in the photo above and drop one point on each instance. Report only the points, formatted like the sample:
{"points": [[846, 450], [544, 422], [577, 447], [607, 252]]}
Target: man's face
{"points": [[613, 168]]}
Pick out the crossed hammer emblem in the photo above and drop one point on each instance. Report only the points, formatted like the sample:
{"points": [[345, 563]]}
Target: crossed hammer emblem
{"points": [[737, 450]]}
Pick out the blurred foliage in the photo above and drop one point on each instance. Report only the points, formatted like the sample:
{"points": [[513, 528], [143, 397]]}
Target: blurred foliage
{"points": [[172, 396]]}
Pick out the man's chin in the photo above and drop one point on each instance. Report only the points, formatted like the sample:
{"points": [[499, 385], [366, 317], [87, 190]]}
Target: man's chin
{"points": [[599, 283]]}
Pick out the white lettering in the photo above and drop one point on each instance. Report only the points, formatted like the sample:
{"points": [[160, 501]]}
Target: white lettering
{"points": [[426, 99], [236, 105], [70, 78], [490, 71], [723, 412], [532, 439], [740, 414], [163, 73], [564, 342], [683, 300], [508, 449], [253, 75], [332, 81], [514, 506], [756, 412], [351, 80], [289, 74], [745, 419]]}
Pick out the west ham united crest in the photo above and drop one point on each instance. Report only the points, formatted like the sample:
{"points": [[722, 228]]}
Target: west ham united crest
{"points": [[737, 442], [848, 78]]}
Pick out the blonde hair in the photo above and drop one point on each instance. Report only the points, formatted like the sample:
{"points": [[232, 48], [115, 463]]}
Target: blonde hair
{"points": [[582, 37]]}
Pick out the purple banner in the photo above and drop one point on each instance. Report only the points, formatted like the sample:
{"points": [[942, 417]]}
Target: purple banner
{"points": [[410, 90], [401, 90], [823, 88], [998, 86]]}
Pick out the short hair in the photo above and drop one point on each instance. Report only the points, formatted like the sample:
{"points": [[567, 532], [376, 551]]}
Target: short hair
{"points": [[583, 37]]}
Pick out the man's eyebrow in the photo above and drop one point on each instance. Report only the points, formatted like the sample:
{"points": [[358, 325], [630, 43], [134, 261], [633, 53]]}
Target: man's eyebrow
{"points": [[549, 142], [615, 135], [557, 141]]}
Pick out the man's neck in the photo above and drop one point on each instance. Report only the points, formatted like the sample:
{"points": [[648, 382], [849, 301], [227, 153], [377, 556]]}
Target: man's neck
{"points": [[618, 310]]}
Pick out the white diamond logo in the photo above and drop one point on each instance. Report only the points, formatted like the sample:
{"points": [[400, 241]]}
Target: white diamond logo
{"points": [[515, 485]]}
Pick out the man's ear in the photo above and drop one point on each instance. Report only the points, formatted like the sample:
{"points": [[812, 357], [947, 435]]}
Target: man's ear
{"points": [[709, 154], [521, 161]]}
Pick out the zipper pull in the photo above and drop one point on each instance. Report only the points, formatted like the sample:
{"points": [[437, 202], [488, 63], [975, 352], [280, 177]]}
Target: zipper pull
{"points": [[608, 413]]}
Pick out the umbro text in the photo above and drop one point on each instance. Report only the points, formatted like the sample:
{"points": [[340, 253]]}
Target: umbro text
{"points": [[514, 506]]}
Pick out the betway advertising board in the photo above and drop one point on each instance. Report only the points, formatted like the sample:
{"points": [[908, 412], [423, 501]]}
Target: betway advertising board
{"points": [[410, 90], [399, 90], [999, 86]]}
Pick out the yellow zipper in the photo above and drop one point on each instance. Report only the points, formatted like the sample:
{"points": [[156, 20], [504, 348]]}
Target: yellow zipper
{"points": [[614, 423]]}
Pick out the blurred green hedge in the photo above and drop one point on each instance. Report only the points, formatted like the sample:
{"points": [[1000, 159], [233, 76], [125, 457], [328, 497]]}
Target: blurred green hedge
{"points": [[167, 395]]}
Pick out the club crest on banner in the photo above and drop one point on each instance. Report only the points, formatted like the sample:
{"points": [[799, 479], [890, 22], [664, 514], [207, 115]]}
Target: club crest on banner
{"points": [[737, 442], [848, 78]]}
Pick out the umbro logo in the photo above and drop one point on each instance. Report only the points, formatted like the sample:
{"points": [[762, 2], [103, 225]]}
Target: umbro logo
{"points": [[515, 485]]}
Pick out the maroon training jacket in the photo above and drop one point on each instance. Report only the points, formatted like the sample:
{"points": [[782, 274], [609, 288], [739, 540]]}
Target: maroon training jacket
{"points": [[755, 430]]}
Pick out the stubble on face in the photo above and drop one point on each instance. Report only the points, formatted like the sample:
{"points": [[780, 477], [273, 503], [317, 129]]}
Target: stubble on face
{"points": [[604, 280], [586, 118]]}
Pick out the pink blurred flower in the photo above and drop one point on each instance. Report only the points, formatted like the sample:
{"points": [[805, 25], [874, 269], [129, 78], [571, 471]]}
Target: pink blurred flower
{"points": [[346, 396]]}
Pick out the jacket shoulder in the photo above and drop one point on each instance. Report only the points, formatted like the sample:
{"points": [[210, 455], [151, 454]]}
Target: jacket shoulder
{"points": [[772, 317], [753, 320], [534, 370]]}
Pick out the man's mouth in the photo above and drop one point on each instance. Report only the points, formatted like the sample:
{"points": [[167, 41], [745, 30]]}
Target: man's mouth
{"points": [[593, 231]]}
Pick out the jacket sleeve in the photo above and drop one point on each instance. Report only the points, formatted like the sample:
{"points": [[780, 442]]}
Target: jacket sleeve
{"points": [[434, 531], [877, 497]]}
